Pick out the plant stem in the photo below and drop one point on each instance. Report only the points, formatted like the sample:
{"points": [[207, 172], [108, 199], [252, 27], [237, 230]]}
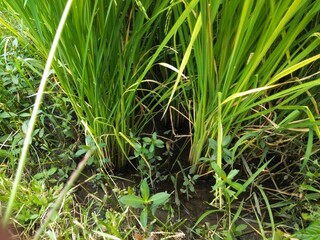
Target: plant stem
{"points": [[219, 148]]}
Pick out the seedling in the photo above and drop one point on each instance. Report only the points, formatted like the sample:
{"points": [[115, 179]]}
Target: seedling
{"points": [[226, 153], [189, 181], [145, 151], [148, 204]]}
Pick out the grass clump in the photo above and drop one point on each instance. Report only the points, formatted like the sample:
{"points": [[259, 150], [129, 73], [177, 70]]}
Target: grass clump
{"points": [[258, 63], [103, 52]]}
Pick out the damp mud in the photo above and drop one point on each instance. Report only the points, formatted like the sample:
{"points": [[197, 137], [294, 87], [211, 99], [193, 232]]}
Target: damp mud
{"points": [[192, 208], [193, 213]]}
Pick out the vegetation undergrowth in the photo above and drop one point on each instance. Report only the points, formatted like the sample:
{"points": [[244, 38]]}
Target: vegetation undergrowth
{"points": [[202, 117]]}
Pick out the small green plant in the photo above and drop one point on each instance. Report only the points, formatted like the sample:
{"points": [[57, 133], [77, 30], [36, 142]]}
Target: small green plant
{"points": [[148, 204], [145, 151], [46, 175], [32, 200], [227, 183], [189, 181], [188, 184], [226, 153], [227, 188], [220, 152]]}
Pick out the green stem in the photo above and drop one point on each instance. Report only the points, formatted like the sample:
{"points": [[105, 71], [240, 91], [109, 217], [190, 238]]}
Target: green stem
{"points": [[219, 148]]}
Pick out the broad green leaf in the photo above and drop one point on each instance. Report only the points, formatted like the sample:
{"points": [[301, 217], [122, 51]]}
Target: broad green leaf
{"points": [[25, 115], [147, 140], [7, 114], [25, 126], [159, 143], [81, 152], [52, 171], [132, 201], [159, 198], [38, 175], [151, 148], [213, 144], [34, 216], [237, 186], [218, 170], [232, 174], [226, 140], [241, 227], [154, 135], [41, 132], [144, 217], [195, 177], [145, 191]]}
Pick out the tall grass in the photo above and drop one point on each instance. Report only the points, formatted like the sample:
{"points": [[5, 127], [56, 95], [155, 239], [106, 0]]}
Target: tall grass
{"points": [[101, 62], [252, 52], [258, 55]]}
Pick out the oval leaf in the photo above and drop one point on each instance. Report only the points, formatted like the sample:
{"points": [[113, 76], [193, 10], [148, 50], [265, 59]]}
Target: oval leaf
{"points": [[159, 198], [144, 217], [226, 140], [145, 191], [132, 201]]}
